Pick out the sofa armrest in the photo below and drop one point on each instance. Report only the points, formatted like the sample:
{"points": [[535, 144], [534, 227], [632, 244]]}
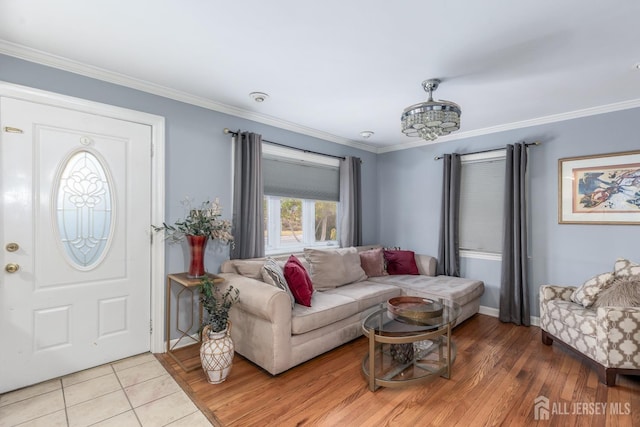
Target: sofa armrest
{"points": [[426, 264], [551, 292], [259, 298], [618, 341]]}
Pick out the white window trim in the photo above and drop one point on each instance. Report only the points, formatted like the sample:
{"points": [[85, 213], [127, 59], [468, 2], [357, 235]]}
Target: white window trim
{"points": [[491, 256], [308, 229], [308, 206]]}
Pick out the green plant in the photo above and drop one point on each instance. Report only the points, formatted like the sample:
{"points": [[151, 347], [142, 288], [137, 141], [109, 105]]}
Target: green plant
{"points": [[217, 304], [204, 221]]}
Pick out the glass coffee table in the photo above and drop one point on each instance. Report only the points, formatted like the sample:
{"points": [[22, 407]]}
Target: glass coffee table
{"points": [[406, 350]]}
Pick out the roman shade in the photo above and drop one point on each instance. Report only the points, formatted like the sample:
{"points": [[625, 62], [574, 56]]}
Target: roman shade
{"points": [[287, 177]]}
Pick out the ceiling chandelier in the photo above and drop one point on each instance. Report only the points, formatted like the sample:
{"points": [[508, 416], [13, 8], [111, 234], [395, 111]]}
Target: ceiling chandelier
{"points": [[431, 119]]}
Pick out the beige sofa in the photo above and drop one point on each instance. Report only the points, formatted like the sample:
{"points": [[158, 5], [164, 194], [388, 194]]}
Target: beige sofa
{"points": [[272, 334]]}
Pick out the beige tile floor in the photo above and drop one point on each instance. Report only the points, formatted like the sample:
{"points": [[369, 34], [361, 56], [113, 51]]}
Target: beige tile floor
{"points": [[137, 391]]}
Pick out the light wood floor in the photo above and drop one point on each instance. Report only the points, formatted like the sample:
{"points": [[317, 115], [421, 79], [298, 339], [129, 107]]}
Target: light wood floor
{"points": [[499, 371]]}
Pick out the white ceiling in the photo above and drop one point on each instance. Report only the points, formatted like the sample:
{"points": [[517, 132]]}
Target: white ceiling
{"points": [[335, 68]]}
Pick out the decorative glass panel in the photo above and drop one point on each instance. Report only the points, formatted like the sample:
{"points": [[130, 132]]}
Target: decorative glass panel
{"points": [[84, 209]]}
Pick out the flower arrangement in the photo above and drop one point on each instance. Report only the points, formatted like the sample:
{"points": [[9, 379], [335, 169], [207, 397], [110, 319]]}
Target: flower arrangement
{"points": [[204, 221], [217, 304]]}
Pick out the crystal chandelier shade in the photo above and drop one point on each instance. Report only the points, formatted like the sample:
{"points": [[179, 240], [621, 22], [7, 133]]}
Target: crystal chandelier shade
{"points": [[431, 119]]}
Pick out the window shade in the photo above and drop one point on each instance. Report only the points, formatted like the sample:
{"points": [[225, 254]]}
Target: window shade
{"points": [[481, 205], [286, 177]]}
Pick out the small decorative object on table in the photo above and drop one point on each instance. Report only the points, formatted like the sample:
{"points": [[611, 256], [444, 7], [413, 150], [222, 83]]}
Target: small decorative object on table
{"points": [[414, 310], [198, 227], [216, 351]]}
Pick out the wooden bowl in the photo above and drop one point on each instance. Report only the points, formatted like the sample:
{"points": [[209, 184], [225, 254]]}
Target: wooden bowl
{"points": [[414, 309]]}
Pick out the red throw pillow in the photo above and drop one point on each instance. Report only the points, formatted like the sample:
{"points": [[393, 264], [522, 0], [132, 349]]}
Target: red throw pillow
{"points": [[401, 262], [298, 280]]}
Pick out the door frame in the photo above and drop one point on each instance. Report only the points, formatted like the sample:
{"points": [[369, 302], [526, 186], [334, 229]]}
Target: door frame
{"points": [[157, 124]]}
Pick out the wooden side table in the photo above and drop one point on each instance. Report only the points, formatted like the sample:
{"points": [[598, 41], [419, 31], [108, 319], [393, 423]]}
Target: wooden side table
{"points": [[189, 288]]}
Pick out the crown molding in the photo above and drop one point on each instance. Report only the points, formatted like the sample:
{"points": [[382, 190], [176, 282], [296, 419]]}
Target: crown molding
{"points": [[602, 109], [55, 61], [47, 59]]}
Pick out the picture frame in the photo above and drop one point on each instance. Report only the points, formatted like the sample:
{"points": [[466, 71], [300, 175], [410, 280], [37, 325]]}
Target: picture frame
{"points": [[599, 189]]}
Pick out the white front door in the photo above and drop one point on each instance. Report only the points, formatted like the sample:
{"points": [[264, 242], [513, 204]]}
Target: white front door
{"points": [[75, 244]]}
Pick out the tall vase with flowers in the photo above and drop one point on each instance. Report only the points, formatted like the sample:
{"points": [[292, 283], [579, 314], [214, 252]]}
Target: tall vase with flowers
{"points": [[217, 349], [200, 225]]}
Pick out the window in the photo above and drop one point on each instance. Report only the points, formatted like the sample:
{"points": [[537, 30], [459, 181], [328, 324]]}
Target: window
{"points": [[481, 204], [301, 199]]}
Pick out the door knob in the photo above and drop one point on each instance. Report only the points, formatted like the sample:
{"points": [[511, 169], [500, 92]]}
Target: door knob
{"points": [[11, 267]]}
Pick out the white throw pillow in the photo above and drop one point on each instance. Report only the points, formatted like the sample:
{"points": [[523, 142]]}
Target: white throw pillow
{"points": [[625, 268], [588, 292]]}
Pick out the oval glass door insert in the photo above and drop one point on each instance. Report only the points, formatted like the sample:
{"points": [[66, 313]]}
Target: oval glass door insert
{"points": [[84, 210]]}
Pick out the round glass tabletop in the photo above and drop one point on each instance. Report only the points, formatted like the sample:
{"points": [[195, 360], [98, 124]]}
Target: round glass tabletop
{"points": [[385, 322]]}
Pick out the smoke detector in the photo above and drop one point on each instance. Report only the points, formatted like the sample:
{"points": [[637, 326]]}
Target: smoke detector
{"points": [[366, 134], [259, 96]]}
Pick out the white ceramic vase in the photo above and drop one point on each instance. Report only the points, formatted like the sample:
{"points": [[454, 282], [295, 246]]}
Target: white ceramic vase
{"points": [[216, 354]]}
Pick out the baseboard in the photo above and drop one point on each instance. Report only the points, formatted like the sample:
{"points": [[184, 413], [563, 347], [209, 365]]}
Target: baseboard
{"points": [[488, 311], [184, 342], [494, 312]]}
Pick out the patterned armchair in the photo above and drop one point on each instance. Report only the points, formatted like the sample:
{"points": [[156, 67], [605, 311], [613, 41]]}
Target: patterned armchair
{"points": [[608, 337]]}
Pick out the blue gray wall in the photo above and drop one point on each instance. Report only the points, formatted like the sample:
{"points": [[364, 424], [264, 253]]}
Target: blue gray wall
{"points": [[401, 189], [198, 153], [410, 190]]}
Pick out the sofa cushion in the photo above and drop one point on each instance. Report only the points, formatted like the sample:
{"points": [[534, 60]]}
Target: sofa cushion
{"points": [[367, 293], [325, 309], [372, 262], [401, 262], [331, 268], [298, 281], [457, 289], [249, 268], [273, 274], [587, 293], [623, 292]]}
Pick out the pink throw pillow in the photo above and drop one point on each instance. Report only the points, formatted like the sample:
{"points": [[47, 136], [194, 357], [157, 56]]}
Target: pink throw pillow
{"points": [[401, 262], [298, 280], [372, 262]]}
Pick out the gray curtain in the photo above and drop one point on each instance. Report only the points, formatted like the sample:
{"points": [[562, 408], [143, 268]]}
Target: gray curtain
{"points": [[514, 287], [350, 202], [248, 216], [449, 249]]}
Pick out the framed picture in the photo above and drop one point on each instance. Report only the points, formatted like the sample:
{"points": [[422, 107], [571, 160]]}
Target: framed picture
{"points": [[600, 189]]}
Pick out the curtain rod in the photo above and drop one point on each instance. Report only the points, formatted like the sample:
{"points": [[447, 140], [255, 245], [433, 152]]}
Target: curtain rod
{"points": [[227, 130], [488, 151]]}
